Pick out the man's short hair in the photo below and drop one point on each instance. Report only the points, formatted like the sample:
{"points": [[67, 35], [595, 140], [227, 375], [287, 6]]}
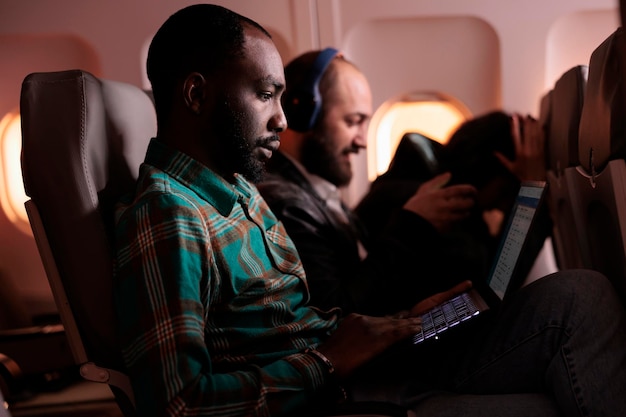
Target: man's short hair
{"points": [[198, 38]]}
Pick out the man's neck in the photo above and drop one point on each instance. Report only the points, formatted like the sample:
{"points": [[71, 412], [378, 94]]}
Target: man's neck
{"points": [[325, 189]]}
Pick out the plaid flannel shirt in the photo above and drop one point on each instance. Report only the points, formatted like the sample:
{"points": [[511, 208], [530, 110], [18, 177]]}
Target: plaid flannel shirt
{"points": [[210, 296]]}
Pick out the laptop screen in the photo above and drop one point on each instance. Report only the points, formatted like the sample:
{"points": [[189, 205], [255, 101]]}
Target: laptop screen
{"points": [[514, 236]]}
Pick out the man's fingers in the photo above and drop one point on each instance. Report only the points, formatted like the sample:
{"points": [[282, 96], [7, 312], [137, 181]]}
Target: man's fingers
{"points": [[452, 292], [460, 191], [459, 197], [439, 298], [438, 182], [516, 132], [508, 164]]}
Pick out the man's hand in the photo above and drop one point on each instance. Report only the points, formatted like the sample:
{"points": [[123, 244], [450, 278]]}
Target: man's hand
{"points": [[529, 141], [358, 339], [442, 206], [439, 298]]}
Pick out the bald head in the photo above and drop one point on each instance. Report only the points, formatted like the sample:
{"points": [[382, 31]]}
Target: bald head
{"points": [[340, 130]]}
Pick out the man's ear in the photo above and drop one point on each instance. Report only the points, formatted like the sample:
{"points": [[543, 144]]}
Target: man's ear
{"points": [[194, 91]]}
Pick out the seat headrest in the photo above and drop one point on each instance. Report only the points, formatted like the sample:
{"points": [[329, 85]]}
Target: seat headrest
{"points": [[416, 158], [545, 111], [566, 107], [93, 125], [602, 124], [545, 119], [83, 140]]}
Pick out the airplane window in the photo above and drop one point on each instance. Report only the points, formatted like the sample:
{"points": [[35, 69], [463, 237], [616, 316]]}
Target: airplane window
{"points": [[431, 114], [12, 194]]}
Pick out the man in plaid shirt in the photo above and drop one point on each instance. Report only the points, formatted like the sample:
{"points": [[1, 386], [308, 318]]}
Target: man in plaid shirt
{"points": [[211, 294]]}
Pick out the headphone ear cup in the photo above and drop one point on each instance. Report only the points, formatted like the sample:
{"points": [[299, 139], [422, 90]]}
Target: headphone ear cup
{"points": [[303, 103], [299, 108]]}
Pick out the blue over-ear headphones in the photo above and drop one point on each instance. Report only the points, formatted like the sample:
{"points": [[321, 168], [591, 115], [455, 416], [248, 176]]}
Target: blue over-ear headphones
{"points": [[303, 103]]}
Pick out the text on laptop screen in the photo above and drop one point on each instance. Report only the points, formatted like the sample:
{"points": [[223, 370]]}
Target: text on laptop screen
{"points": [[515, 234]]}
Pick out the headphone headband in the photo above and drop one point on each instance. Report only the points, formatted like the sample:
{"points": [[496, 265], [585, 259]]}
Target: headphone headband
{"points": [[303, 106]]}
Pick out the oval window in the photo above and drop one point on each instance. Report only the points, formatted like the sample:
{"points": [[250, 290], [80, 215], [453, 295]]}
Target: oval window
{"points": [[433, 115], [12, 194]]}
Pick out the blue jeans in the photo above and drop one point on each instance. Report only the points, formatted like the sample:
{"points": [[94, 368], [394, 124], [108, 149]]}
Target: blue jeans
{"points": [[562, 336]]}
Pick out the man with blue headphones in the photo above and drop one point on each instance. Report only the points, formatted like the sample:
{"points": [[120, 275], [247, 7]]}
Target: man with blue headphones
{"points": [[549, 340], [328, 105]]}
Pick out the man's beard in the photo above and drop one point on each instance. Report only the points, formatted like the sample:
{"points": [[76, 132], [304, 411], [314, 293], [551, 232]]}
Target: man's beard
{"points": [[237, 150], [319, 157]]}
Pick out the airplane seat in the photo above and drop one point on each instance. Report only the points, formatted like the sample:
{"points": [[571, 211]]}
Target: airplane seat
{"points": [[545, 112], [600, 182], [84, 139], [415, 160], [566, 102], [416, 157], [545, 118], [13, 312]]}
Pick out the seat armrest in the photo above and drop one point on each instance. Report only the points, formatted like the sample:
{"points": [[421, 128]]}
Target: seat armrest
{"points": [[11, 378]]}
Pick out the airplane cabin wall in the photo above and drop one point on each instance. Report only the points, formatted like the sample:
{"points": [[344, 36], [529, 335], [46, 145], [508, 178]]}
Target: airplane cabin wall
{"points": [[489, 54]]}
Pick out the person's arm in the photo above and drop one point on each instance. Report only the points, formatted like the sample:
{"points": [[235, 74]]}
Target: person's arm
{"points": [[442, 205], [394, 275], [530, 164], [164, 287]]}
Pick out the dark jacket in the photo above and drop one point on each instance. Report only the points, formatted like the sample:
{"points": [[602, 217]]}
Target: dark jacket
{"points": [[395, 274]]}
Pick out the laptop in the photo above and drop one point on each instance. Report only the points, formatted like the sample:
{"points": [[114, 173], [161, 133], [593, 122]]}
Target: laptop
{"points": [[502, 279]]}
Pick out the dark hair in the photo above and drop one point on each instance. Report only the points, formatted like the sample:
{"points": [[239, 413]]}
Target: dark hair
{"points": [[469, 154], [199, 38]]}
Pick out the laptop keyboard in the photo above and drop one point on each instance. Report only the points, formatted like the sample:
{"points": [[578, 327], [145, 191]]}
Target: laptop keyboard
{"points": [[448, 314]]}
